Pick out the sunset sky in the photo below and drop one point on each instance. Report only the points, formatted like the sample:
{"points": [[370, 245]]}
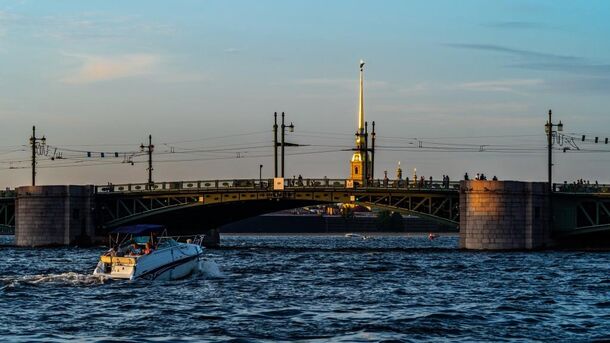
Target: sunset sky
{"points": [[471, 80]]}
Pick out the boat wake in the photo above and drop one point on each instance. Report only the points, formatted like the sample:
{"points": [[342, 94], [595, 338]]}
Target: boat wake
{"points": [[206, 268], [70, 278], [210, 269]]}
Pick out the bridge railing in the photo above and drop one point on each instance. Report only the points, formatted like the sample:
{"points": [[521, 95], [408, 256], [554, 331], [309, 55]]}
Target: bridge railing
{"points": [[581, 188], [8, 193], [267, 184]]}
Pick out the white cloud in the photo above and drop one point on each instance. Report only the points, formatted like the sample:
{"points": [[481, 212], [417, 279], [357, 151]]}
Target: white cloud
{"points": [[103, 68], [233, 50], [513, 85], [487, 114], [341, 83], [505, 85], [6, 18], [452, 109]]}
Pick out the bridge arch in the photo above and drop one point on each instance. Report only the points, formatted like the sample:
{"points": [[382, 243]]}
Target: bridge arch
{"points": [[197, 212]]}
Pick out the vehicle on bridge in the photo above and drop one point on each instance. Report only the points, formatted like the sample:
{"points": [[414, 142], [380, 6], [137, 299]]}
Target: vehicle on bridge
{"points": [[144, 251]]}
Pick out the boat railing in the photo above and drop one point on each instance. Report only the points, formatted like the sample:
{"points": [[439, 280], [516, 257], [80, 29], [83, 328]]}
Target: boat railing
{"points": [[193, 239]]}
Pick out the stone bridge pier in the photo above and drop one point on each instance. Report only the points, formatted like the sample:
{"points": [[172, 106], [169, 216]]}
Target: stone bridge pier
{"points": [[65, 215], [53, 215], [504, 215]]}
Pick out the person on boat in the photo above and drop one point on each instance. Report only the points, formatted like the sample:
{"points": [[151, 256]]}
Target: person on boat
{"points": [[153, 240], [148, 249], [134, 249]]}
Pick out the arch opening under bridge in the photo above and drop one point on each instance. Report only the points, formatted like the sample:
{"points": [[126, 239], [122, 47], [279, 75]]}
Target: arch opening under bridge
{"points": [[211, 207]]}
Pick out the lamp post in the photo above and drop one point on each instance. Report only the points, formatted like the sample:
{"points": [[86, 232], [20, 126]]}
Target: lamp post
{"points": [[260, 175], [548, 128]]}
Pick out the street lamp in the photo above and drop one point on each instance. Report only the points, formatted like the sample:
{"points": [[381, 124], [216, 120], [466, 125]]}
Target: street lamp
{"points": [[548, 128], [260, 175]]}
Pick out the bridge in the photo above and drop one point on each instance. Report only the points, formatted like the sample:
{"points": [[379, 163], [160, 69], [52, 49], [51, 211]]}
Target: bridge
{"points": [[204, 205], [217, 202]]}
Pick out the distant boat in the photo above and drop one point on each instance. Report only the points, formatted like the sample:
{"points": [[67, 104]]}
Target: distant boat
{"points": [[355, 235], [432, 236]]}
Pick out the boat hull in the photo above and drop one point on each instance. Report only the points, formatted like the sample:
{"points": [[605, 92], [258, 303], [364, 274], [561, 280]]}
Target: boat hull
{"points": [[170, 263]]}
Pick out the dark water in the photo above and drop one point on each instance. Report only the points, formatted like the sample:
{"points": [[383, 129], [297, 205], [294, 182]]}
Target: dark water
{"points": [[314, 289]]}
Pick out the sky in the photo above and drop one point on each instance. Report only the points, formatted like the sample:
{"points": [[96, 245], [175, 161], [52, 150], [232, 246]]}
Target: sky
{"points": [[453, 87]]}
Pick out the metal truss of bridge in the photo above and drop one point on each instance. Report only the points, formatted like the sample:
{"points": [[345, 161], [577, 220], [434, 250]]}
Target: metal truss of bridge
{"points": [[7, 212], [120, 204], [581, 211]]}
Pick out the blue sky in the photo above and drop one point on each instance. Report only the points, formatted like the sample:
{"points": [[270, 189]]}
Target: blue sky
{"points": [[208, 75]]}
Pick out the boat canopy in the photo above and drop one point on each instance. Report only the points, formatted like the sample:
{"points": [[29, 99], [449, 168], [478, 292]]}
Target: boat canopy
{"points": [[139, 229]]}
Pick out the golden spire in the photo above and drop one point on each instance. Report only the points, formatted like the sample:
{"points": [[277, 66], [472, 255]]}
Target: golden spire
{"points": [[361, 103], [360, 130], [357, 163]]}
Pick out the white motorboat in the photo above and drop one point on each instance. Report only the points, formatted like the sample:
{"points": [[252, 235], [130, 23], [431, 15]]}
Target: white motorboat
{"points": [[144, 251], [358, 236]]}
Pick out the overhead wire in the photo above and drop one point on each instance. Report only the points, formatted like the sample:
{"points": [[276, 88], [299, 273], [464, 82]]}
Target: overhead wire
{"points": [[73, 157]]}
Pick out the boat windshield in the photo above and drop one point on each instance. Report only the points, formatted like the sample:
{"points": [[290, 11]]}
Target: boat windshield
{"points": [[141, 239], [166, 242]]}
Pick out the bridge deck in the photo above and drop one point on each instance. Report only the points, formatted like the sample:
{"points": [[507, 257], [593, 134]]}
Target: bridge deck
{"points": [[575, 207]]}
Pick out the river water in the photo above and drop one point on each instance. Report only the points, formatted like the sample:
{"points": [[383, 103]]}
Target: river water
{"points": [[313, 288]]}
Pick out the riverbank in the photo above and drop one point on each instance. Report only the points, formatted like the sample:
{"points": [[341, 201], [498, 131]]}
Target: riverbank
{"points": [[324, 224]]}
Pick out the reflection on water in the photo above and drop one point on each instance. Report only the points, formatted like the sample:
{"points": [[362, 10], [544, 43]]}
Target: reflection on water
{"points": [[313, 288]]}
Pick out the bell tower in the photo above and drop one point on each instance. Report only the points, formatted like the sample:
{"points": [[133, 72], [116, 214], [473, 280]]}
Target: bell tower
{"points": [[360, 159]]}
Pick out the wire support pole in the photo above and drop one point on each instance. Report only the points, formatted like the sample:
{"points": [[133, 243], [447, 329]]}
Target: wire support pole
{"points": [[373, 152], [550, 152], [33, 143], [365, 170], [283, 134], [275, 144], [149, 149]]}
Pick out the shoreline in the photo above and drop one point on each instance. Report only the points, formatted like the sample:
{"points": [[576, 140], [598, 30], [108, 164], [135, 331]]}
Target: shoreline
{"points": [[341, 234]]}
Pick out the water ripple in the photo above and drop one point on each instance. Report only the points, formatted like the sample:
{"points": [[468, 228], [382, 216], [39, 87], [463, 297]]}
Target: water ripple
{"points": [[315, 289]]}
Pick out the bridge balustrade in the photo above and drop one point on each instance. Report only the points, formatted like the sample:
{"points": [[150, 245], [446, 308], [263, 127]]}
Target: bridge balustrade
{"points": [[580, 188], [267, 184], [8, 193]]}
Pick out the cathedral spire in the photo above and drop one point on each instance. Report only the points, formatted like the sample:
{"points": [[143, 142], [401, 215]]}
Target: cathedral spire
{"points": [[361, 102], [360, 163]]}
